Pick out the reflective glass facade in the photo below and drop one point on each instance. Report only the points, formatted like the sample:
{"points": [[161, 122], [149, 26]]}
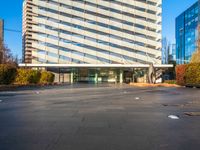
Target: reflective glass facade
{"points": [[186, 34], [92, 31]]}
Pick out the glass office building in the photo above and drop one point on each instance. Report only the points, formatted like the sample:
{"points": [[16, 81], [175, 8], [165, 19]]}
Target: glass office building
{"points": [[187, 34], [92, 32]]}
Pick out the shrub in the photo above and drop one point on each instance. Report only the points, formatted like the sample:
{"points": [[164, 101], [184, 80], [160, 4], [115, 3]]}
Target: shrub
{"points": [[22, 76], [27, 76], [34, 76], [192, 74], [7, 73], [195, 57], [180, 74], [170, 81], [46, 77]]}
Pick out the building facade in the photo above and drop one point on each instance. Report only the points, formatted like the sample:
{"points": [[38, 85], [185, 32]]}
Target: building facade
{"points": [[1, 40], [187, 34], [172, 53], [168, 52], [165, 50], [92, 32]]}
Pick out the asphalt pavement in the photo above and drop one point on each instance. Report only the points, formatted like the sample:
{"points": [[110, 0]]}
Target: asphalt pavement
{"points": [[100, 117]]}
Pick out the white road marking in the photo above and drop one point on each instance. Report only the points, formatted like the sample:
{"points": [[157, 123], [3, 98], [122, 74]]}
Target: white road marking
{"points": [[173, 117]]}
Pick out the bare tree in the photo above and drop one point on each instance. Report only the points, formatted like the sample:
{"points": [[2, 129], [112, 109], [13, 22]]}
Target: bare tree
{"points": [[1, 51], [6, 55]]}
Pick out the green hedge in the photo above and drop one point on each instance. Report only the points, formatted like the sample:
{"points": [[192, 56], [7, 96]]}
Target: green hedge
{"points": [[188, 74], [46, 77], [10, 74], [192, 74], [170, 81], [7, 73], [28, 76]]}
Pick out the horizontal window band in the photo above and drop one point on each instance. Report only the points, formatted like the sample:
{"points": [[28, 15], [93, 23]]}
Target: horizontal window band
{"points": [[94, 39], [85, 28], [133, 6], [95, 48], [88, 12], [67, 58], [142, 1], [91, 48], [85, 57], [101, 7]]}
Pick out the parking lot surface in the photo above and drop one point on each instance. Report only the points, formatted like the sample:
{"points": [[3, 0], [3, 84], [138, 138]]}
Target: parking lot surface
{"points": [[100, 117]]}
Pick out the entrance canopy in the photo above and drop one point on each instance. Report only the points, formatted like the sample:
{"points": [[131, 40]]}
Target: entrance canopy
{"points": [[95, 65], [96, 73]]}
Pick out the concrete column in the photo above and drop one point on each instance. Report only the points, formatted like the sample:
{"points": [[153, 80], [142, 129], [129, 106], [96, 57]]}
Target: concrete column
{"points": [[121, 76], [72, 77], [59, 75], [116, 79], [133, 78], [96, 77]]}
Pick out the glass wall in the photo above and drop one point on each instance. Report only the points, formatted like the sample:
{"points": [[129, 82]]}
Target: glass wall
{"points": [[186, 34]]}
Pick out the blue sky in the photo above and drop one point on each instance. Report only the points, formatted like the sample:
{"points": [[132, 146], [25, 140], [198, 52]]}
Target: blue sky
{"points": [[11, 12]]}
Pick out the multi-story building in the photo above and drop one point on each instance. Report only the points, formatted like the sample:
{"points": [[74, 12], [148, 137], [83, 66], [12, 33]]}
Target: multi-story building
{"points": [[99, 32], [165, 50], [1, 40], [172, 53], [187, 34], [168, 52]]}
